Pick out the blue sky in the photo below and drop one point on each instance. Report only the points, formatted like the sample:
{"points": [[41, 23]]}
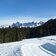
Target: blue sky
{"points": [[26, 10]]}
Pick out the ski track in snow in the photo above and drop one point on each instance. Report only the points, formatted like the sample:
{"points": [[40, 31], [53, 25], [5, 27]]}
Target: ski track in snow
{"points": [[45, 46]]}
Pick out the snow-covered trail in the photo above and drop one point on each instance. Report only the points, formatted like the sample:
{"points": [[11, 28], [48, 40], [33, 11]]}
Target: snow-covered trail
{"points": [[33, 50], [30, 47], [35, 47]]}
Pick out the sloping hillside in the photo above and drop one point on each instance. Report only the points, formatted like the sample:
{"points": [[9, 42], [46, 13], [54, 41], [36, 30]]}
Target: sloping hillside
{"points": [[45, 46]]}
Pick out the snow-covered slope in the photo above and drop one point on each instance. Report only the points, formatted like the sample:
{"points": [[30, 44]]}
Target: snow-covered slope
{"points": [[45, 46]]}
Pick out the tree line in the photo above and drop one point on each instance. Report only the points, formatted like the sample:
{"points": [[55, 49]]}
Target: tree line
{"points": [[16, 34]]}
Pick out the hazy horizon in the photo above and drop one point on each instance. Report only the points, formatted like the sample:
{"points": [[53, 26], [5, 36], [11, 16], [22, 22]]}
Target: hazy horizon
{"points": [[10, 21]]}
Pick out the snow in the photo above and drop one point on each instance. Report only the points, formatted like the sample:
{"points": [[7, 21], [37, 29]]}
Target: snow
{"points": [[32, 50], [48, 48], [45, 46]]}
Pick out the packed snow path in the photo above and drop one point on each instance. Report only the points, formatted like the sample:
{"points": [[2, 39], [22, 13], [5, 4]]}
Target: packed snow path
{"points": [[45, 46], [33, 50]]}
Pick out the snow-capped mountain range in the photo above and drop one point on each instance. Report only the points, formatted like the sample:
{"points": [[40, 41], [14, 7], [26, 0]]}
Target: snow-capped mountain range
{"points": [[29, 24], [19, 25]]}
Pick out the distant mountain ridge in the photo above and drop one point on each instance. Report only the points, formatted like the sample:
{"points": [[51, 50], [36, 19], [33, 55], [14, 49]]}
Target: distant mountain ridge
{"points": [[29, 24], [19, 25]]}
